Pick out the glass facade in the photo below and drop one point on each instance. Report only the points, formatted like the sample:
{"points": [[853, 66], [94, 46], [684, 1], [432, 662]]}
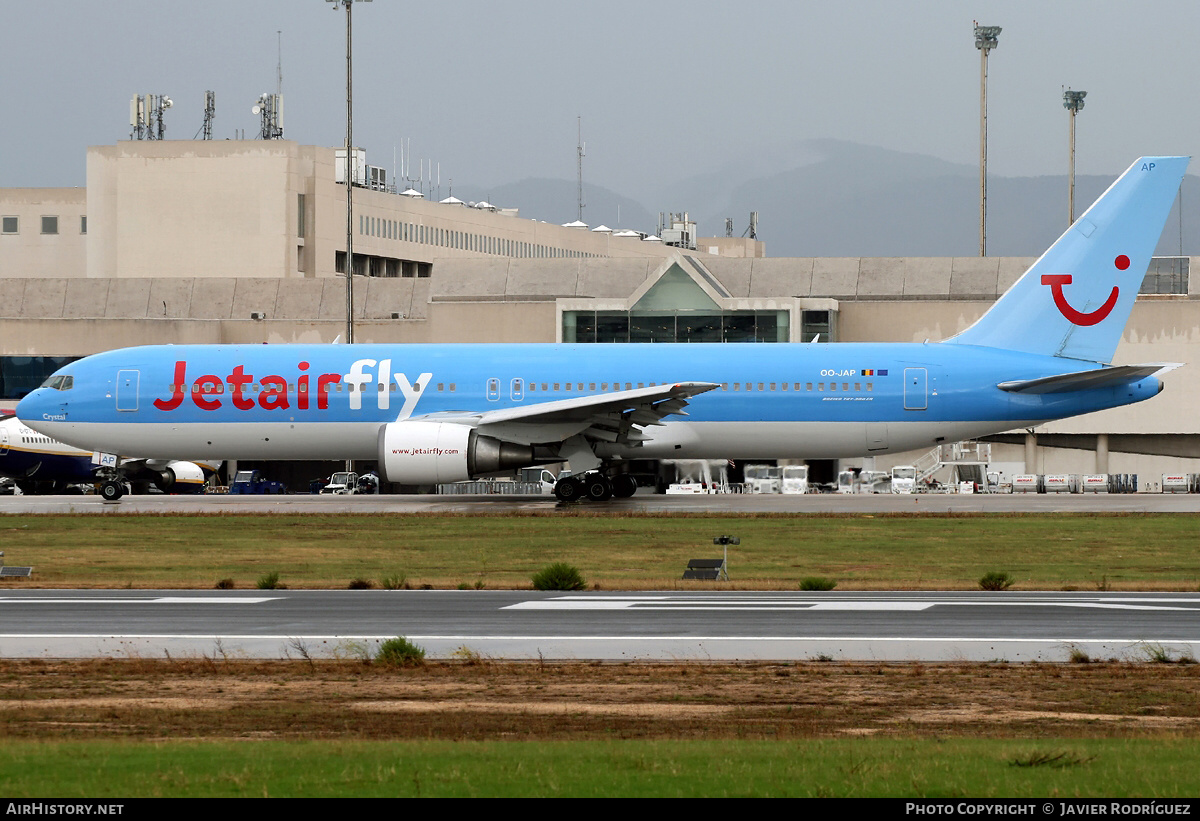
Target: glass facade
{"points": [[21, 374], [1166, 275], [676, 326], [816, 325], [676, 309]]}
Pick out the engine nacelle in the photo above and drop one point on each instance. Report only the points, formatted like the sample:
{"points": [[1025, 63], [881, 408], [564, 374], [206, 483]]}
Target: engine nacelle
{"points": [[431, 453], [181, 477]]}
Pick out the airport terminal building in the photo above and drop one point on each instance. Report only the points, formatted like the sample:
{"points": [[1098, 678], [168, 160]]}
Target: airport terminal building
{"points": [[245, 242]]}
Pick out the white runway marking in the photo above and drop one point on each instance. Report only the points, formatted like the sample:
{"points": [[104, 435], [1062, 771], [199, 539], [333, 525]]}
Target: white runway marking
{"points": [[750, 603], [136, 600]]}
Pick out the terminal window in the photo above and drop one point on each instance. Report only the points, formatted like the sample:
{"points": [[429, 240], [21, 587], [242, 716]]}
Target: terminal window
{"points": [[1166, 275], [21, 374], [49, 225], [676, 326], [10, 225]]}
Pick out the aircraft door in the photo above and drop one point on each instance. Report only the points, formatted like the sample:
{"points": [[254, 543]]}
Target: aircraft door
{"points": [[877, 436], [915, 389], [517, 390], [493, 390], [127, 390]]}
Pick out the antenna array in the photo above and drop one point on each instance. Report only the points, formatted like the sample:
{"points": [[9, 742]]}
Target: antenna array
{"points": [[210, 113], [146, 116]]}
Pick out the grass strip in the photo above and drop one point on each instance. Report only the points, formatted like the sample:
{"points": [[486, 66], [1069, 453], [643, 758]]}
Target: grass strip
{"points": [[1040, 551], [847, 767]]}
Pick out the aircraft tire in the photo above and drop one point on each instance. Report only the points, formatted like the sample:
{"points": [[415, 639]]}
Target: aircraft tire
{"points": [[598, 488], [624, 486], [568, 489], [111, 491]]}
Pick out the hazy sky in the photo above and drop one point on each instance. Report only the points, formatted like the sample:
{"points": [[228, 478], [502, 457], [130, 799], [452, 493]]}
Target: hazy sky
{"points": [[491, 90]]}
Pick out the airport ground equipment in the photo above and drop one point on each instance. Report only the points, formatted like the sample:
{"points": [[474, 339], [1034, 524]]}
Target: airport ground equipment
{"points": [[252, 482], [763, 478], [712, 569], [709, 570], [12, 571], [341, 483]]}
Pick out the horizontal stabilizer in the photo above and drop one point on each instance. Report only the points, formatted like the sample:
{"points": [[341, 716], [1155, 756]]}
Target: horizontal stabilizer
{"points": [[1088, 380]]}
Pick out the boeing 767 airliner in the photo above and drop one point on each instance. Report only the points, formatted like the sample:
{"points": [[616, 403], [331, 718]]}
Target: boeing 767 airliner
{"points": [[443, 413]]}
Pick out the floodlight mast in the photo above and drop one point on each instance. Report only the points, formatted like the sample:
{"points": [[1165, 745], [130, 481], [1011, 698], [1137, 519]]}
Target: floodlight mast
{"points": [[349, 178], [986, 39], [1072, 102], [349, 165]]}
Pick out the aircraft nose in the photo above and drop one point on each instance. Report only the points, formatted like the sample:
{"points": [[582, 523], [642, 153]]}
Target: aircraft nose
{"points": [[32, 406]]}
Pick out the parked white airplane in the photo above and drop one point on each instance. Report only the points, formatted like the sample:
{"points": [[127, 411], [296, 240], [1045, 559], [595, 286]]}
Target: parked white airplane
{"points": [[38, 463]]}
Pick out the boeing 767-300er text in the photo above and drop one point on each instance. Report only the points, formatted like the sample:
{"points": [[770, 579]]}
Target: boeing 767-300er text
{"points": [[443, 413]]}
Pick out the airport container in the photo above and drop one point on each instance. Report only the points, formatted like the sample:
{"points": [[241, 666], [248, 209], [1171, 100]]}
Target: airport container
{"points": [[1026, 483], [1094, 483], [1059, 483], [1176, 482]]}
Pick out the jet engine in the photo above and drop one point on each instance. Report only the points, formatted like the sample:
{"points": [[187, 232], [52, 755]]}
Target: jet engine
{"points": [[180, 477], [430, 453]]}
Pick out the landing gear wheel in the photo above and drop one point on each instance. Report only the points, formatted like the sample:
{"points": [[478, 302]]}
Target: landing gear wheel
{"points": [[111, 491], [624, 486], [599, 489], [568, 489]]}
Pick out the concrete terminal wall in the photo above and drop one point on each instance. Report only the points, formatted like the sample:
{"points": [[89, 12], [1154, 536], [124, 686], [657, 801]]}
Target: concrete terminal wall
{"points": [[28, 252]]}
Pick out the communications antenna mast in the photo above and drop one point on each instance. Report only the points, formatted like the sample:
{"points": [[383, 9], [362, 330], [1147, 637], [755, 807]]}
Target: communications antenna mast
{"points": [[580, 148], [146, 116], [269, 108], [210, 113]]}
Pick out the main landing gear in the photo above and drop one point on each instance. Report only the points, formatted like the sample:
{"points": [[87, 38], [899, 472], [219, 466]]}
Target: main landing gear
{"points": [[111, 490], [595, 486]]}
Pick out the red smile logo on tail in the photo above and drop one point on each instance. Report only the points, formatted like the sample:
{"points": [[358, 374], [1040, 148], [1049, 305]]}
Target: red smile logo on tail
{"points": [[1056, 283]]}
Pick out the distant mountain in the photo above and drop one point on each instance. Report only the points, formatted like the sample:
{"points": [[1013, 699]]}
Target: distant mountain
{"points": [[833, 198], [866, 201]]}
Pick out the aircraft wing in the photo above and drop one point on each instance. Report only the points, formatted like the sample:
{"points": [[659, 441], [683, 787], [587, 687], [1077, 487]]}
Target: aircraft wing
{"points": [[618, 416], [1088, 380]]}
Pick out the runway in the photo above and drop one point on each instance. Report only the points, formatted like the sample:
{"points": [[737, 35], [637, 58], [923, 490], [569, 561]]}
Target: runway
{"points": [[642, 502], [607, 626]]}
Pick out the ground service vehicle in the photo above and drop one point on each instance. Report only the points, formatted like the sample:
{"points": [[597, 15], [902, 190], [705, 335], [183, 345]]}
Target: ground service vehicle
{"points": [[253, 482]]}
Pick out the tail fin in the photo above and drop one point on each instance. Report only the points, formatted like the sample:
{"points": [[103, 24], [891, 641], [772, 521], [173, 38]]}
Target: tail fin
{"points": [[1075, 300]]}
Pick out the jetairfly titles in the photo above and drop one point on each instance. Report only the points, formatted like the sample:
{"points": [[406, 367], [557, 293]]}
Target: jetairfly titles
{"points": [[274, 390]]}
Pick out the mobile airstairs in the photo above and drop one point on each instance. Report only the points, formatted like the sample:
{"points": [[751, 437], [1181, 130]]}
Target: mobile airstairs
{"points": [[967, 462]]}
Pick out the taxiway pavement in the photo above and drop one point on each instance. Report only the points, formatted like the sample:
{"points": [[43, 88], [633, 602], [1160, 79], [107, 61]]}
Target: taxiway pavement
{"points": [[607, 626], [643, 502]]}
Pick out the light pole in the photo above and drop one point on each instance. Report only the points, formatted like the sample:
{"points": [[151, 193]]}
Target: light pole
{"points": [[349, 166], [349, 177], [986, 39], [1072, 102]]}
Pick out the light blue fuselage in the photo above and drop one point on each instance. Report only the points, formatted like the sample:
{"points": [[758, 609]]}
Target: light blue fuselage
{"points": [[775, 400]]}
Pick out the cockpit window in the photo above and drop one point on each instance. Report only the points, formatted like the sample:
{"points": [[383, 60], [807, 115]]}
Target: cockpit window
{"points": [[59, 382]]}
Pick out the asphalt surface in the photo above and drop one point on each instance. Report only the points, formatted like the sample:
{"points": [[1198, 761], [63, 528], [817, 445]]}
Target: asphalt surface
{"points": [[603, 626], [642, 502], [734, 625]]}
